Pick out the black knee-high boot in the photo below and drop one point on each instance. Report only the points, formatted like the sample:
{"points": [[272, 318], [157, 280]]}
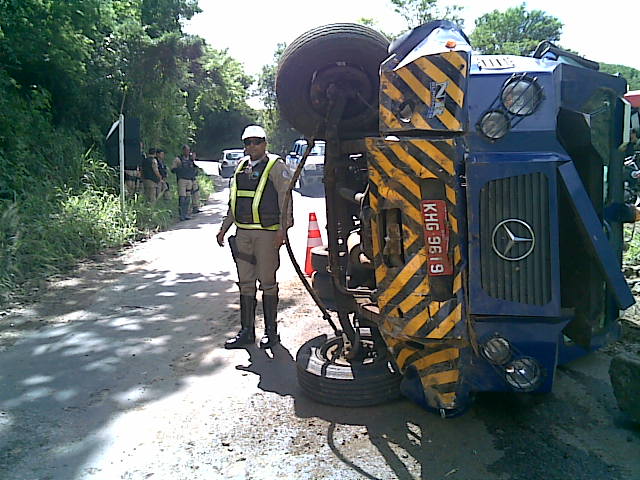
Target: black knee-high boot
{"points": [[270, 308], [247, 332]]}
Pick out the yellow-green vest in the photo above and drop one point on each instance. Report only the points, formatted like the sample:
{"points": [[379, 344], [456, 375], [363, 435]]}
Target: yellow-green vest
{"points": [[254, 199]]}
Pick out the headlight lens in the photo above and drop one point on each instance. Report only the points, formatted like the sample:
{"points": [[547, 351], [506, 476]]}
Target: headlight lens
{"points": [[524, 374], [494, 125], [521, 96], [497, 350]]}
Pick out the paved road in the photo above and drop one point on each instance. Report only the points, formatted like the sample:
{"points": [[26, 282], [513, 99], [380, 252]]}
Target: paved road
{"points": [[118, 373]]}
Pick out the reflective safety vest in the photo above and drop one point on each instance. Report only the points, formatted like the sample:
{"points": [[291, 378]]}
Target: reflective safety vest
{"points": [[254, 199]]}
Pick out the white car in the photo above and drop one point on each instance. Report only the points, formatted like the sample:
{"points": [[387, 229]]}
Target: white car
{"points": [[229, 161], [313, 169]]}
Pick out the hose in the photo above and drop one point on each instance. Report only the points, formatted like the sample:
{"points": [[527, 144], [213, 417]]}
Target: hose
{"points": [[285, 208]]}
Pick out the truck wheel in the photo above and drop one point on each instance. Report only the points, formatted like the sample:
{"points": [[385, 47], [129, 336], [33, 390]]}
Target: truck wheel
{"points": [[343, 54], [326, 376], [320, 258], [323, 285]]}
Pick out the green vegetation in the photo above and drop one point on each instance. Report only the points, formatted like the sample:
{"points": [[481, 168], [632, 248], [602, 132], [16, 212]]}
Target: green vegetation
{"points": [[67, 69], [417, 12], [515, 31], [631, 255], [630, 74], [281, 133]]}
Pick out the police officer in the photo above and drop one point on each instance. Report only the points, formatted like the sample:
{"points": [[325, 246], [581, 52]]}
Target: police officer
{"points": [[257, 193], [163, 191], [195, 189], [151, 177], [186, 172], [632, 145]]}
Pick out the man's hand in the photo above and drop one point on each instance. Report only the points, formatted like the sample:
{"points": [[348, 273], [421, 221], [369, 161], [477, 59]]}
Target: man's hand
{"points": [[220, 238]]}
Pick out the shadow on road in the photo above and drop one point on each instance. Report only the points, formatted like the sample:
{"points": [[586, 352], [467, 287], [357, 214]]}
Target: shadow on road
{"points": [[502, 436], [121, 335], [312, 191], [407, 438]]}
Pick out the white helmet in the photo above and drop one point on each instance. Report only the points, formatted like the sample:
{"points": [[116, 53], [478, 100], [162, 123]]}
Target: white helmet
{"points": [[254, 131]]}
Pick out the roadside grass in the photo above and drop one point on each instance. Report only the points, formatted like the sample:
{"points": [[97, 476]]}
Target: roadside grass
{"points": [[631, 255], [49, 230]]}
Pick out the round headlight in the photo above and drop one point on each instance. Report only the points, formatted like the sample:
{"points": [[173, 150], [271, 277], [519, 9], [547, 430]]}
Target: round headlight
{"points": [[521, 96], [494, 125], [524, 374], [497, 350]]}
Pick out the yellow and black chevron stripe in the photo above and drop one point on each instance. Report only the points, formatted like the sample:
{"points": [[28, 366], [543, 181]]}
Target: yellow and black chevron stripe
{"points": [[422, 333], [426, 94]]}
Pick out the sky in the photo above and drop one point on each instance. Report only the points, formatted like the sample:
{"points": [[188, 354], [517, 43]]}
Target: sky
{"points": [[251, 29]]}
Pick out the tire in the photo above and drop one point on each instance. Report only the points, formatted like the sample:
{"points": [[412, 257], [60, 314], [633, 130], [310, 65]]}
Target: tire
{"points": [[322, 283], [320, 259], [342, 52], [337, 382]]}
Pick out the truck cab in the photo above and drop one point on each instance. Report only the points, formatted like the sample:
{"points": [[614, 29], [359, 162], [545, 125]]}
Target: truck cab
{"points": [[474, 218]]}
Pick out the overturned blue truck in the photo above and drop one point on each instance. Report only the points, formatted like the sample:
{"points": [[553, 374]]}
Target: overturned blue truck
{"points": [[474, 213]]}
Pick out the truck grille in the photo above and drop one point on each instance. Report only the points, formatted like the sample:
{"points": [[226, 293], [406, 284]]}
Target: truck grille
{"points": [[514, 239]]}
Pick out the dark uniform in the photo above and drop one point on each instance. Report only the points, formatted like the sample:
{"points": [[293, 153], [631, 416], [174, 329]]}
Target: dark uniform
{"points": [[256, 201], [186, 172]]}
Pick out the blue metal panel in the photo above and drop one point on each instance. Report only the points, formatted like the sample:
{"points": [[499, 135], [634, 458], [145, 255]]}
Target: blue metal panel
{"points": [[535, 132], [481, 169], [605, 255], [529, 337]]}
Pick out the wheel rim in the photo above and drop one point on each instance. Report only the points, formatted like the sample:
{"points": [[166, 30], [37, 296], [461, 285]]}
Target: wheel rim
{"points": [[333, 352]]}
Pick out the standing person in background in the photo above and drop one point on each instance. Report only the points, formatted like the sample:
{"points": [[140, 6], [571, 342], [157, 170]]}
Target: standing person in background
{"points": [[132, 172], [163, 190], [195, 189], [151, 176], [257, 194], [632, 145], [186, 172]]}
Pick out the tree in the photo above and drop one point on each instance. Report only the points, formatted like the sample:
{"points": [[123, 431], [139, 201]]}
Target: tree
{"points": [[162, 16], [372, 23], [217, 99], [631, 75], [417, 12], [514, 31], [281, 133]]}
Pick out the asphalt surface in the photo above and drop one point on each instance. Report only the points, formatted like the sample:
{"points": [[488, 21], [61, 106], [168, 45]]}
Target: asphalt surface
{"points": [[118, 372]]}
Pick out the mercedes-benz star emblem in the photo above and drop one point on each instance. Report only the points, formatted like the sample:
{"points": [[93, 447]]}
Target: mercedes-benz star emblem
{"points": [[513, 240]]}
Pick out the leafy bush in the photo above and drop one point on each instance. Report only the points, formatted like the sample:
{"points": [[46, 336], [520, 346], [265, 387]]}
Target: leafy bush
{"points": [[631, 254]]}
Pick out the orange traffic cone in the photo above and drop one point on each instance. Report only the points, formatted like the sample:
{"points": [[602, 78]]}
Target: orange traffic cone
{"points": [[314, 239]]}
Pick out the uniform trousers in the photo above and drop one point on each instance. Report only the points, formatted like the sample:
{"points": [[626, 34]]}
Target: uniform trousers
{"points": [[260, 244], [150, 189], [131, 181], [185, 187], [195, 194]]}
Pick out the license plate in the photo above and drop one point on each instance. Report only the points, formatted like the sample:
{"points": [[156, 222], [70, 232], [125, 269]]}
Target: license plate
{"points": [[436, 235], [309, 166]]}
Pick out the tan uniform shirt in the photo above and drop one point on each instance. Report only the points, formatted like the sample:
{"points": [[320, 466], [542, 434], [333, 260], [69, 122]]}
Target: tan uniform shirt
{"points": [[280, 175]]}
